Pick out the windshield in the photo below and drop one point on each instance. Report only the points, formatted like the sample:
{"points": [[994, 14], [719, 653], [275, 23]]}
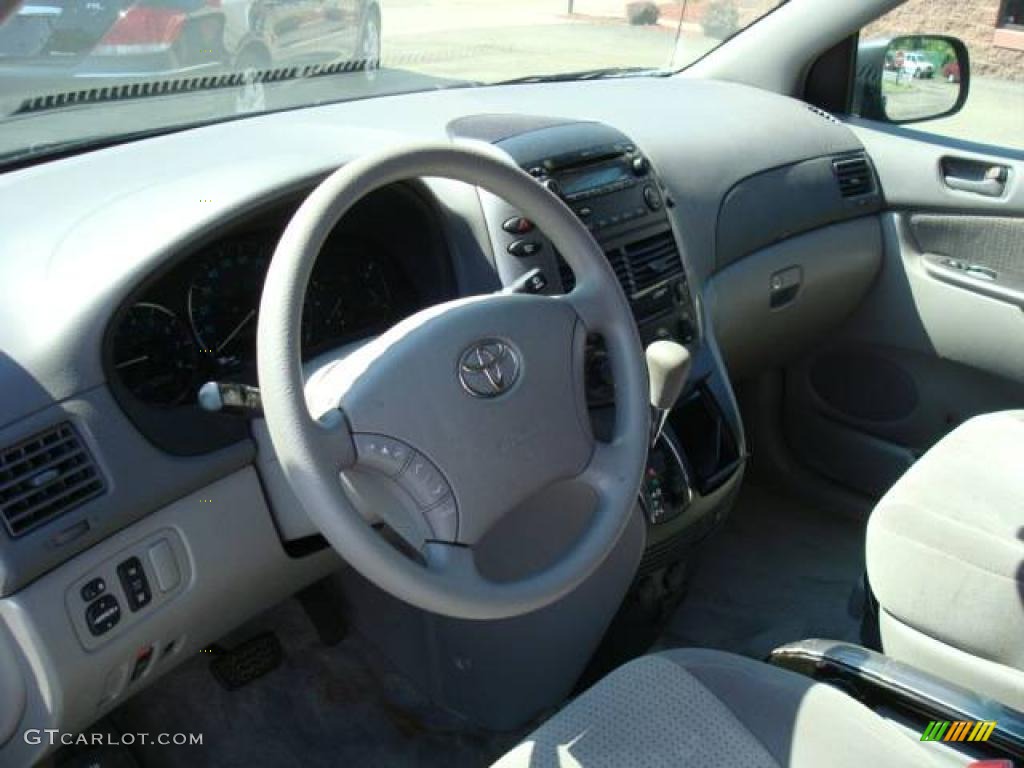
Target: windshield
{"points": [[74, 72]]}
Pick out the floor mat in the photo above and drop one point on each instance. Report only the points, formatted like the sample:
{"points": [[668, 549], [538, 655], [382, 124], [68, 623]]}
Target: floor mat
{"points": [[778, 571], [323, 706]]}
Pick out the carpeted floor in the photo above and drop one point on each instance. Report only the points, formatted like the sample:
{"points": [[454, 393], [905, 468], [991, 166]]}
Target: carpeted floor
{"points": [[324, 706], [777, 572]]}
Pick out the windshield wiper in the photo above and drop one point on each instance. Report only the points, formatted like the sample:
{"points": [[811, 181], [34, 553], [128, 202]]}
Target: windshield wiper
{"points": [[589, 74]]}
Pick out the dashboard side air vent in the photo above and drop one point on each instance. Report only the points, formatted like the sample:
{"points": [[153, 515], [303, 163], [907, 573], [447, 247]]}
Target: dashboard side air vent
{"points": [[45, 476], [651, 262], [853, 173]]}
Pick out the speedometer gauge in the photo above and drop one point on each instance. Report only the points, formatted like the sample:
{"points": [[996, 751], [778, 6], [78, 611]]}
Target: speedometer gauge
{"points": [[224, 299], [154, 356]]}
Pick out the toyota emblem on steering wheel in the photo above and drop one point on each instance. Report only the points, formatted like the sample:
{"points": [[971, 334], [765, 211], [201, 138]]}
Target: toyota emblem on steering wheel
{"points": [[489, 368]]}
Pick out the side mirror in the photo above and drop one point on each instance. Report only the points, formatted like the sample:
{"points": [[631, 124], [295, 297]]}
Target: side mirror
{"points": [[913, 78]]}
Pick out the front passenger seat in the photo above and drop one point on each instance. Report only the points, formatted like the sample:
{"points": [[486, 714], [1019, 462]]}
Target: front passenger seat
{"points": [[692, 708], [945, 557]]}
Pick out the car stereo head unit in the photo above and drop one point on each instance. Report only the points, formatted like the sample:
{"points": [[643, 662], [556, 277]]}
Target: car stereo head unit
{"points": [[615, 191], [606, 185]]}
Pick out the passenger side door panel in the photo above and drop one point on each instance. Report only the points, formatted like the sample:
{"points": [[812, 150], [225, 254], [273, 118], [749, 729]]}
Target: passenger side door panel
{"points": [[940, 337]]}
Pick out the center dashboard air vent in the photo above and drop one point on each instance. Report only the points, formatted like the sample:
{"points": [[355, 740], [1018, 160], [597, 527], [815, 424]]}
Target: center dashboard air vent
{"points": [[45, 476], [637, 266], [651, 261], [853, 173]]}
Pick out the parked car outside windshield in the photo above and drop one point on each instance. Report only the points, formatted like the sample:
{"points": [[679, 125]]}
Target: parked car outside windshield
{"points": [[74, 71]]}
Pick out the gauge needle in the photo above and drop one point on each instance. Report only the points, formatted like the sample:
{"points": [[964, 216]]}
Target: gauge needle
{"points": [[133, 361], [334, 311], [239, 327]]}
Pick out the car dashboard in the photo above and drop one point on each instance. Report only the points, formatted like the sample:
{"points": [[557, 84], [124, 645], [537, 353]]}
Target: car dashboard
{"points": [[121, 299]]}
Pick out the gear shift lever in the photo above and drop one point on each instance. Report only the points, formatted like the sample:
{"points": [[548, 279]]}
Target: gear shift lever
{"points": [[668, 365]]}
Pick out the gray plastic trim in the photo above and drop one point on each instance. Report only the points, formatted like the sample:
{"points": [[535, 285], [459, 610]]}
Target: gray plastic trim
{"points": [[910, 164], [911, 309], [140, 479], [787, 201], [809, 28], [13, 694], [837, 265], [237, 569], [499, 674]]}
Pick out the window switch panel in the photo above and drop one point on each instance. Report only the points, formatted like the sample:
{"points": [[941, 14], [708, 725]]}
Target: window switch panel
{"points": [[134, 582]]}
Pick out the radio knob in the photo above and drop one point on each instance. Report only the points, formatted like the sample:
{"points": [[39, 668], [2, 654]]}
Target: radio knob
{"points": [[552, 186], [640, 165], [652, 198]]}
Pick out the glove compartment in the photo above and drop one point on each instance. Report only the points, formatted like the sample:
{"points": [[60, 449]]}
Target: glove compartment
{"points": [[775, 302]]}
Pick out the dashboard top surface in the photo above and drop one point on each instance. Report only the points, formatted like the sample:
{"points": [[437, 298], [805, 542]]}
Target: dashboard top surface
{"points": [[81, 233]]}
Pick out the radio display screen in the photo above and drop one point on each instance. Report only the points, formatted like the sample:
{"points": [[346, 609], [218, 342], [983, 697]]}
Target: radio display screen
{"points": [[582, 181]]}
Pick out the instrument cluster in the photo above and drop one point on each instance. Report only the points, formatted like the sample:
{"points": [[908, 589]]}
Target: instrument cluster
{"points": [[198, 323]]}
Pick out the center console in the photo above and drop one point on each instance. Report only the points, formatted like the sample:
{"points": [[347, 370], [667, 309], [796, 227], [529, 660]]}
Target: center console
{"points": [[695, 466], [616, 191]]}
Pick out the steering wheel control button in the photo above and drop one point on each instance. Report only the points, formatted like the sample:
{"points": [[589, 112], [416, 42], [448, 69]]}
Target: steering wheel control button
{"points": [[383, 454], [134, 583], [517, 225], [489, 368], [525, 248], [102, 615], [424, 482], [443, 520], [93, 589]]}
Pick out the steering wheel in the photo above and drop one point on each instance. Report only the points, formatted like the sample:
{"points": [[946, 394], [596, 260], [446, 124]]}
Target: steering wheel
{"points": [[469, 407]]}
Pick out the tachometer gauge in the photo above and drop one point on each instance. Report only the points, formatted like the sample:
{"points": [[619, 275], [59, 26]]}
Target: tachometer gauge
{"points": [[224, 299], [154, 356], [323, 316], [370, 300]]}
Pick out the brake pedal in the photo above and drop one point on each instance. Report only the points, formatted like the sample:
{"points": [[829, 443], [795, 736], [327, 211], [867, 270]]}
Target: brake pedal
{"points": [[247, 662]]}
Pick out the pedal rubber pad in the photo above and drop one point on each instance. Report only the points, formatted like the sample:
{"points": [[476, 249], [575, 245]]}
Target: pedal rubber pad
{"points": [[247, 662]]}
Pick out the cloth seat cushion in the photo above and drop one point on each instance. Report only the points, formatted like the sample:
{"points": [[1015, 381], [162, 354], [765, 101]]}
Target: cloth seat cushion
{"points": [[693, 707], [945, 558]]}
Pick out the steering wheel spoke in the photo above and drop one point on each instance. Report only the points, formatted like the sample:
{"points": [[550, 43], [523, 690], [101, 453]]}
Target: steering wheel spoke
{"points": [[588, 305], [607, 469], [452, 561], [334, 438]]}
